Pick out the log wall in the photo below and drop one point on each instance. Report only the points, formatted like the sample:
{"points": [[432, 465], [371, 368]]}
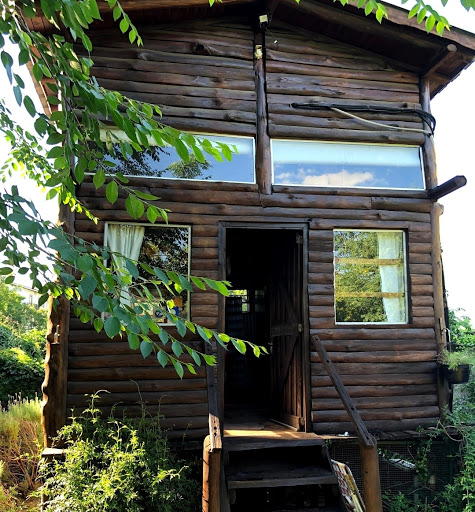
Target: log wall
{"points": [[202, 76]]}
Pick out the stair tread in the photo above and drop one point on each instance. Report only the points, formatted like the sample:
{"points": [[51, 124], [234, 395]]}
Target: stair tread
{"points": [[244, 443], [277, 474]]}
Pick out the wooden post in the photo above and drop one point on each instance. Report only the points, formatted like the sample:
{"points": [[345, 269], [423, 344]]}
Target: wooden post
{"points": [[428, 151], [439, 313], [211, 477], [54, 387], [263, 156], [370, 475]]}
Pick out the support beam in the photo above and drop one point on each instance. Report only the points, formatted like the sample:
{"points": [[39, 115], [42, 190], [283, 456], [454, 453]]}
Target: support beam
{"points": [[263, 156], [448, 187], [438, 60]]}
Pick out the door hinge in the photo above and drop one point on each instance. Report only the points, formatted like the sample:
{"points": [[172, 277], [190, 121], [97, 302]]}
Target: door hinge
{"points": [[300, 327], [299, 238]]}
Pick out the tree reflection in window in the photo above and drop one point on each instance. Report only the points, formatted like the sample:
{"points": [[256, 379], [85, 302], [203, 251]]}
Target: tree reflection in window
{"points": [[167, 248], [370, 283]]}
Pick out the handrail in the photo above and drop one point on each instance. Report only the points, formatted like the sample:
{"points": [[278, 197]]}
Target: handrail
{"points": [[216, 442], [368, 444], [363, 435]]}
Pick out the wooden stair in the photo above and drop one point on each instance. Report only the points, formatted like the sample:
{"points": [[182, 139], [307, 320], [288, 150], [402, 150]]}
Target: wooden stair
{"points": [[288, 472]]}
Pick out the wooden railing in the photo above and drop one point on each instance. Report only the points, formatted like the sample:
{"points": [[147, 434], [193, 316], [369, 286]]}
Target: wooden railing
{"points": [[368, 444], [212, 449]]}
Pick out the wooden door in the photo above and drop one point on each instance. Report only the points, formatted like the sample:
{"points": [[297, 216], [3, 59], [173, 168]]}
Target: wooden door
{"points": [[286, 329]]}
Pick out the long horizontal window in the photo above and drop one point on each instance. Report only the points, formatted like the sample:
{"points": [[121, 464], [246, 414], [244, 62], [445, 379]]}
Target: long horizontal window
{"points": [[327, 164], [370, 276], [165, 247], [164, 162]]}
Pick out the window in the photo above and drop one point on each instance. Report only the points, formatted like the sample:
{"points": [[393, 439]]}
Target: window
{"points": [[164, 162], [370, 276], [330, 164], [165, 247]]}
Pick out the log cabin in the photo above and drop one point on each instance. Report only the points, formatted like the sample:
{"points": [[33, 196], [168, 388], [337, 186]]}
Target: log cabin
{"points": [[326, 222]]}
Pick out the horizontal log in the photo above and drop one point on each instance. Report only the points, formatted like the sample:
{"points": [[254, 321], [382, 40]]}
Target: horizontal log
{"points": [[375, 332], [416, 268], [377, 402], [209, 322], [362, 345], [368, 135], [423, 289], [205, 92], [419, 237], [401, 203], [369, 224], [189, 68], [373, 192], [424, 321], [417, 279], [422, 300], [372, 368], [175, 79], [149, 398], [127, 373], [199, 264], [202, 298], [423, 248], [320, 256], [130, 360], [130, 386], [417, 257], [304, 86], [90, 237], [322, 60], [321, 311], [320, 268], [324, 427], [116, 348], [168, 411], [288, 67], [371, 391], [321, 300], [200, 310], [400, 413], [238, 116], [389, 379], [205, 242], [384, 356], [423, 312]]}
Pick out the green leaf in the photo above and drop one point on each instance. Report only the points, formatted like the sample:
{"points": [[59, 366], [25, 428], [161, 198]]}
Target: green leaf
{"points": [[239, 345], [124, 25], [181, 150], [116, 13], [198, 283], [413, 11], [163, 335], [162, 357], [132, 268], [178, 368], [152, 213], [30, 106], [99, 178], [98, 324], [134, 341], [87, 286], [203, 333], [146, 348], [135, 207], [100, 303], [177, 349], [18, 94], [112, 326], [112, 192]]}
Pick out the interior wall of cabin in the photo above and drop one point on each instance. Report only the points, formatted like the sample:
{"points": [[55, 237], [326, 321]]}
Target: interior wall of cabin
{"points": [[202, 75]]}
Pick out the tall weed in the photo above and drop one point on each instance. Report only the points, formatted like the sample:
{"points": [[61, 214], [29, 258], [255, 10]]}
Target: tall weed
{"points": [[117, 465], [20, 452]]}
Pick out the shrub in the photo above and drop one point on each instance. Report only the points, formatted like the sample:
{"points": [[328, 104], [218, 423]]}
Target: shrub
{"points": [[20, 451], [19, 373], [118, 465]]}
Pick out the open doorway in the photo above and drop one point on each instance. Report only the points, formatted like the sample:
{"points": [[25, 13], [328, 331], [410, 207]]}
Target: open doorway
{"points": [[267, 307]]}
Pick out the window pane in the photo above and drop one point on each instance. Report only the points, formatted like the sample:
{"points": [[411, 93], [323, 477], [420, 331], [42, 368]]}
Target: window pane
{"points": [[158, 162], [325, 164], [168, 249], [370, 277], [164, 247]]}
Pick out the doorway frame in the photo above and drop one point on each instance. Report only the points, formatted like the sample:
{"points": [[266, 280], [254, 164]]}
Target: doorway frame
{"points": [[303, 227]]}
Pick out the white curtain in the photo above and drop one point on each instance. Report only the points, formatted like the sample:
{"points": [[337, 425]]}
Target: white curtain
{"points": [[390, 247], [126, 240]]}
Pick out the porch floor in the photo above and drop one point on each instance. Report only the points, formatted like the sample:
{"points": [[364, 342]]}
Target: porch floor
{"points": [[244, 426]]}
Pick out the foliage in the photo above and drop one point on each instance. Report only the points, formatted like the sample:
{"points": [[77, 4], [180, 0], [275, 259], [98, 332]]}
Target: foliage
{"points": [[461, 331], [20, 450], [103, 459], [14, 311]]}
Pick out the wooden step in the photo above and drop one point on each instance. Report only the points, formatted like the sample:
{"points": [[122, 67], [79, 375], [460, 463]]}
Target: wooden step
{"points": [[252, 474], [245, 443]]}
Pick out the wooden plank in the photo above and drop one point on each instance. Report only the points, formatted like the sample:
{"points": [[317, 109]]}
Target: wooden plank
{"points": [[395, 379], [378, 402], [371, 391]]}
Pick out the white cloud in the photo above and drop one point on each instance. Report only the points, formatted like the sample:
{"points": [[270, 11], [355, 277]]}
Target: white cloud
{"points": [[339, 179]]}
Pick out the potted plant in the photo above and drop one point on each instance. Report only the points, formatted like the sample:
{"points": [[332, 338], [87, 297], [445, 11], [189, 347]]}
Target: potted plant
{"points": [[456, 364]]}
